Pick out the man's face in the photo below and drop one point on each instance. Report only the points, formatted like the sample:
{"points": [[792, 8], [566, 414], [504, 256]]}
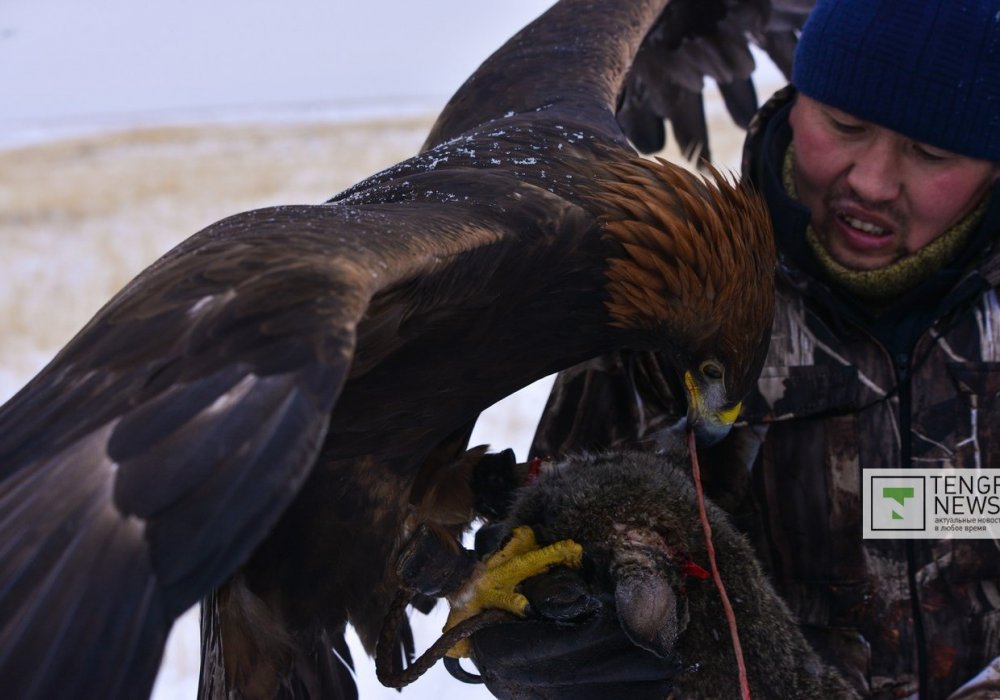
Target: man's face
{"points": [[876, 195]]}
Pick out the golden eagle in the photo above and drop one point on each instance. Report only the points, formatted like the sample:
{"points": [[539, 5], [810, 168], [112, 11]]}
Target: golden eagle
{"points": [[265, 413]]}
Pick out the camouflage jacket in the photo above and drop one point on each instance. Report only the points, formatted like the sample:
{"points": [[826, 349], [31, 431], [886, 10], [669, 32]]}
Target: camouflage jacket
{"points": [[917, 387]]}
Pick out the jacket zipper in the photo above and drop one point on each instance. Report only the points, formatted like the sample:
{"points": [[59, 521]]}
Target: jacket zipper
{"points": [[901, 362]]}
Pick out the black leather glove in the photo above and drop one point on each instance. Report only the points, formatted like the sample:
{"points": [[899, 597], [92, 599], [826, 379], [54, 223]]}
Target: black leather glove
{"points": [[572, 646]]}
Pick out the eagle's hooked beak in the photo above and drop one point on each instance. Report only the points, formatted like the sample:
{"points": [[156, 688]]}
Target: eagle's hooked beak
{"points": [[708, 416]]}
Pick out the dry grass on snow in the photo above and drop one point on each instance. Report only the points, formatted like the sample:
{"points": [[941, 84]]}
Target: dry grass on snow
{"points": [[80, 217]]}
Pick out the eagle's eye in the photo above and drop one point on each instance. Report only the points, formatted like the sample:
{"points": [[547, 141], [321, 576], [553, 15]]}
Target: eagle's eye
{"points": [[711, 369]]}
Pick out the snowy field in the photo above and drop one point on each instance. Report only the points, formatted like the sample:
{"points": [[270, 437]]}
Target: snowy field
{"points": [[91, 192]]}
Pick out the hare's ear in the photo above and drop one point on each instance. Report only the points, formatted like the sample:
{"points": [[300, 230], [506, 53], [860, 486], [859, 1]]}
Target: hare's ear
{"points": [[649, 609]]}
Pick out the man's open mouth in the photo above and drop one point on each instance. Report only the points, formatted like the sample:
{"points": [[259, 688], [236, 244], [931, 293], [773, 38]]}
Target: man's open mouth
{"points": [[865, 226]]}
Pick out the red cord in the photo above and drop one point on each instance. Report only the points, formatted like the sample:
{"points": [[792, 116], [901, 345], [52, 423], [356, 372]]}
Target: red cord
{"points": [[534, 468], [716, 576]]}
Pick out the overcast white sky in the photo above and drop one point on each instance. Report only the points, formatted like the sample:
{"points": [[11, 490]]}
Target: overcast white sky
{"points": [[66, 60]]}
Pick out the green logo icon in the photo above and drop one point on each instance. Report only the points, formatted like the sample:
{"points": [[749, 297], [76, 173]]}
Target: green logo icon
{"points": [[895, 503], [898, 494]]}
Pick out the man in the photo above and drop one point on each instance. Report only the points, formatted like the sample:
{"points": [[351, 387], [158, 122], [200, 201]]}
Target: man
{"points": [[880, 169]]}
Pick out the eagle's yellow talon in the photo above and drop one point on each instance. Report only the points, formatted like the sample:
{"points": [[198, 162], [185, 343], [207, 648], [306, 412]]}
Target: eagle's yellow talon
{"points": [[522, 540], [494, 585]]}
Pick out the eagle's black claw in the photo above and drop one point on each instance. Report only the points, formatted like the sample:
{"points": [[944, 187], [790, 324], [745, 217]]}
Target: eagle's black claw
{"points": [[454, 667]]}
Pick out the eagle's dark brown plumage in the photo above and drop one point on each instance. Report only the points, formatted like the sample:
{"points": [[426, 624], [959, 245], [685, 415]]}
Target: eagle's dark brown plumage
{"points": [[270, 408], [695, 39]]}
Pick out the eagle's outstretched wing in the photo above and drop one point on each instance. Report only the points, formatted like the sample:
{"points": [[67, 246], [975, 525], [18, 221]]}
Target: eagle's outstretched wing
{"points": [[267, 407], [697, 39], [155, 452], [645, 77], [142, 465], [572, 61]]}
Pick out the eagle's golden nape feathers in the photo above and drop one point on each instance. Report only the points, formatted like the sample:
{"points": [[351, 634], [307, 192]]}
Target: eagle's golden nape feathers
{"points": [[688, 243], [691, 250]]}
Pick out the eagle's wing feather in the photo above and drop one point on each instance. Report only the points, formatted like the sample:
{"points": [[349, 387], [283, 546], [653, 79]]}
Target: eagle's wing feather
{"points": [[642, 78], [573, 58], [142, 466], [697, 39]]}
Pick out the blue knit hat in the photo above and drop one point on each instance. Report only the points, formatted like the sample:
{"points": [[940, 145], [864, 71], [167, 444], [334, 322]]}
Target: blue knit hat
{"points": [[929, 69]]}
